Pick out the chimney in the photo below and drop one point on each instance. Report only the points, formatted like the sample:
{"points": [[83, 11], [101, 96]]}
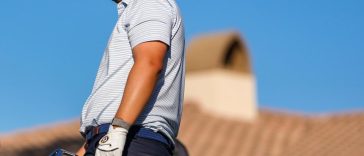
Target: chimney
{"points": [[219, 76]]}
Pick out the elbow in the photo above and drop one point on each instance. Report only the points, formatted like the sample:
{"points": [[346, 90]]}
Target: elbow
{"points": [[156, 66]]}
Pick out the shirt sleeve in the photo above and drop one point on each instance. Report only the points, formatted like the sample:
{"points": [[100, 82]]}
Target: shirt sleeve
{"points": [[149, 20]]}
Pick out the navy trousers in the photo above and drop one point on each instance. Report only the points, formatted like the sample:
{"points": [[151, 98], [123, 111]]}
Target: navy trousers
{"points": [[134, 146]]}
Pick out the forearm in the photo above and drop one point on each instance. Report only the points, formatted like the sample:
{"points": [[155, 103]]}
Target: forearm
{"points": [[140, 84]]}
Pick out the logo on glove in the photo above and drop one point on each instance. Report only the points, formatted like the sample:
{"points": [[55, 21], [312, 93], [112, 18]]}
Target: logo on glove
{"points": [[104, 139]]}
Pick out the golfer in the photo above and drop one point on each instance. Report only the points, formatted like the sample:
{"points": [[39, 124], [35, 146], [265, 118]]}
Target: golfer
{"points": [[135, 105]]}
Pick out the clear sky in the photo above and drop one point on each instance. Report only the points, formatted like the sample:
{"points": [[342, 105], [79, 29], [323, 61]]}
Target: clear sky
{"points": [[307, 55]]}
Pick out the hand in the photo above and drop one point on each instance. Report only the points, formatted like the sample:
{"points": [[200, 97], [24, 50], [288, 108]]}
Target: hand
{"points": [[81, 151], [112, 144]]}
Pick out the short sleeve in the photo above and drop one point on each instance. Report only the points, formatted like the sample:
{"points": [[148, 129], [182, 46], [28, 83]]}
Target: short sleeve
{"points": [[149, 20]]}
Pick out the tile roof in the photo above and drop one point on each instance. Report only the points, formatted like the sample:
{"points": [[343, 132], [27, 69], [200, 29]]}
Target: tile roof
{"points": [[271, 134], [333, 136], [41, 140]]}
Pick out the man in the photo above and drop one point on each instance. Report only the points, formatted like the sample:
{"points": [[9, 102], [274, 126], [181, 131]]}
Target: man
{"points": [[135, 105]]}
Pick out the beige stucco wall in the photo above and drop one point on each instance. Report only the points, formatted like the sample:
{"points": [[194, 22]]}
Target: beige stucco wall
{"points": [[223, 92]]}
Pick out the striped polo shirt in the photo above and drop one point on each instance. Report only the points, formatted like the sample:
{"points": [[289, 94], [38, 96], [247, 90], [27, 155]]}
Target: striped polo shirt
{"points": [[141, 21]]}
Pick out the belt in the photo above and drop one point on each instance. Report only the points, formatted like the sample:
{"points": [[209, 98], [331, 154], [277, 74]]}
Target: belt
{"points": [[150, 134], [135, 130], [91, 131]]}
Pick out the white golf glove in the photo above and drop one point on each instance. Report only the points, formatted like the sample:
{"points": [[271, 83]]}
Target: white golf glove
{"points": [[112, 144]]}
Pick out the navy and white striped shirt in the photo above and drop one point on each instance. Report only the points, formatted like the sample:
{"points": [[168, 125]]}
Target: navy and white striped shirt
{"points": [[141, 21]]}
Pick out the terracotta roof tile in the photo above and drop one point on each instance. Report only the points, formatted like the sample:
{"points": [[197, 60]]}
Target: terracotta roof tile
{"points": [[41, 140], [339, 135], [271, 134]]}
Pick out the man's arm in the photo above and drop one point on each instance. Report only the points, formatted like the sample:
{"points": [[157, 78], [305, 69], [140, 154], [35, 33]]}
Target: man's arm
{"points": [[148, 63], [142, 78]]}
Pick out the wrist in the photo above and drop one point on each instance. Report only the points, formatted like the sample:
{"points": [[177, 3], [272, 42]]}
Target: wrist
{"points": [[120, 123]]}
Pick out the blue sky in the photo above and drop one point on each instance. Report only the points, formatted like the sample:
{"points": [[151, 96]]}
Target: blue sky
{"points": [[307, 55]]}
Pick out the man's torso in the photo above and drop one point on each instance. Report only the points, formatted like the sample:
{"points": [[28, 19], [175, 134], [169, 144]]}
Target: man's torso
{"points": [[163, 111]]}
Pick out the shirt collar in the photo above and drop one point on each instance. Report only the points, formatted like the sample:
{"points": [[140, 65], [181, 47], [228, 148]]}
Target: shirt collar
{"points": [[123, 4], [126, 1]]}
